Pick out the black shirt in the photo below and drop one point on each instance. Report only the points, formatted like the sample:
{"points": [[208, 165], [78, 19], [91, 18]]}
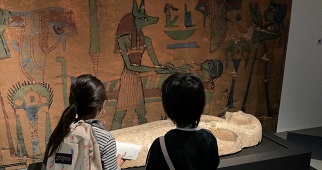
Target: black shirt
{"points": [[188, 150]]}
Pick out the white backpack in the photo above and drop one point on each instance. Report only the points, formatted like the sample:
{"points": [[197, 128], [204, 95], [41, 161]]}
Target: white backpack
{"points": [[79, 150]]}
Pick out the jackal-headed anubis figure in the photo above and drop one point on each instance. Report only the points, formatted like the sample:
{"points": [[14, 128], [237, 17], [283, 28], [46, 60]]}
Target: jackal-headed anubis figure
{"points": [[131, 43]]}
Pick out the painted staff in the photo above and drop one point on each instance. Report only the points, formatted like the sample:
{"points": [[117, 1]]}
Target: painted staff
{"points": [[95, 48], [5, 115]]}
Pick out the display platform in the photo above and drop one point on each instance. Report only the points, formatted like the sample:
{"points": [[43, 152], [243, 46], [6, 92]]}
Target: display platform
{"points": [[272, 153]]}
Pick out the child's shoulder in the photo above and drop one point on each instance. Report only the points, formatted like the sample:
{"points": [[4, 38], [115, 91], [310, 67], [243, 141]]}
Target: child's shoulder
{"points": [[207, 131], [209, 134]]}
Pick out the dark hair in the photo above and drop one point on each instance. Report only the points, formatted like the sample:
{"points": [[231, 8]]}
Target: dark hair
{"points": [[183, 99], [87, 96]]}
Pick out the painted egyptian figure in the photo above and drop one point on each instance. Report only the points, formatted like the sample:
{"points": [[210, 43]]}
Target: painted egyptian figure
{"points": [[268, 36], [131, 43]]}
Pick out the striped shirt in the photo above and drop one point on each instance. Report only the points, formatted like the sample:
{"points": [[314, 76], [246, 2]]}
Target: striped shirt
{"points": [[107, 148]]}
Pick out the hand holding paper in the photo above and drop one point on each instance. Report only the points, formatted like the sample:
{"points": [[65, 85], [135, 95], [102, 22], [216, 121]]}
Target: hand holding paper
{"points": [[128, 150]]}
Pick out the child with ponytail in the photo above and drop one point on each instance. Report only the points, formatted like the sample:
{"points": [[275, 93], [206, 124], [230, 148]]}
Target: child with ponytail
{"points": [[87, 98]]}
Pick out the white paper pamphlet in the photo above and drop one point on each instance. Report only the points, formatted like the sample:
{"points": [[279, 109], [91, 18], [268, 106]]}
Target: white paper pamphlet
{"points": [[128, 150]]}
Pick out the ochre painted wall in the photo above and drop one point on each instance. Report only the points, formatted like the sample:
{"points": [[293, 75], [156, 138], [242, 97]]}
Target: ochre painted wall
{"points": [[237, 47]]}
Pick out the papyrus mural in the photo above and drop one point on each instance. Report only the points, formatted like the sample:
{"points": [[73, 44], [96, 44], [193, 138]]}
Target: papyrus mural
{"points": [[237, 47]]}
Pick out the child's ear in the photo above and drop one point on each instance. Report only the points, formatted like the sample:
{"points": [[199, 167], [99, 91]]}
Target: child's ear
{"points": [[101, 109]]}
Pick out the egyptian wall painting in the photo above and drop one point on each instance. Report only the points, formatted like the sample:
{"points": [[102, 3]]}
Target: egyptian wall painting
{"points": [[237, 47]]}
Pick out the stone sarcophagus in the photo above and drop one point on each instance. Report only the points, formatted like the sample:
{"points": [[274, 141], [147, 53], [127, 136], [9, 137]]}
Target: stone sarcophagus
{"points": [[234, 132]]}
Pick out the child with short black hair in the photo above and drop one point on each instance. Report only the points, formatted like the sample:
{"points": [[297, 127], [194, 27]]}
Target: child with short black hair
{"points": [[188, 147]]}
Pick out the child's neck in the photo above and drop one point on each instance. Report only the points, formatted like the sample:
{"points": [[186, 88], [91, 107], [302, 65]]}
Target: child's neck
{"points": [[188, 128]]}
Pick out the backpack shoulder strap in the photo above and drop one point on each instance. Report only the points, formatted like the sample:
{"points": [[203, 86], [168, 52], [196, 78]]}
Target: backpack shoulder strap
{"points": [[165, 153], [94, 152], [96, 123]]}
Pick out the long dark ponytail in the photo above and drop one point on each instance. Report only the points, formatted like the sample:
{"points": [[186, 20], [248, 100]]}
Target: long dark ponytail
{"points": [[87, 95]]}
